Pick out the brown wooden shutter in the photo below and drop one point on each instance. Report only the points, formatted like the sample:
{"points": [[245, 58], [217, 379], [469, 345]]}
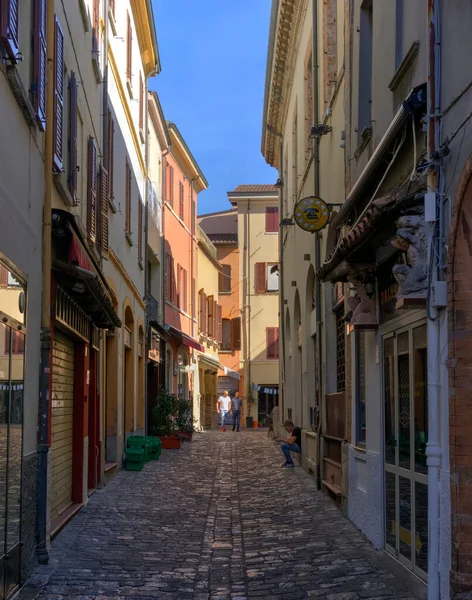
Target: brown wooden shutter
{"points": [[225, 279], [236, 333], [128, 198], [179, 286], [272, 219], [215, 319], [141, 102], [166, 276], [104, 191], [171, 186], [3, 276], [260, 278], [219, 335], [96, 24], [172, 280], [200, 311], [192, 291], [58, 96], [211, 319], [185, 303], [181, 200], [129, 52], [72, 166], [276, 342], [111, 156], [205, 314], [140, 229], [164, 178], [193, 215], [39, 63], [270, 342], [92, 191], [10, 27]]}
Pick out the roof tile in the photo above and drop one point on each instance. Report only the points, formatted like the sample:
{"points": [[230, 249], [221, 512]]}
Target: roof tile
{"points": [[264, 187]]}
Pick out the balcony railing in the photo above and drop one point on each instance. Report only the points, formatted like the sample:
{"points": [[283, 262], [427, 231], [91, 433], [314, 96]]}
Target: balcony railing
{"points": [[152, 309]]}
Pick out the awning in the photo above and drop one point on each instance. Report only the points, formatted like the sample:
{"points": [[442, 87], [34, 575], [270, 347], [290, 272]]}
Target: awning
{"points": [[209, 360], [184, 339], [231, 373]]}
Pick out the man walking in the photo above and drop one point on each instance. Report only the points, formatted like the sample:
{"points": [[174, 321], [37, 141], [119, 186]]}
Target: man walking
{"points": [[293, 443], [236, 403], [222, 406]]}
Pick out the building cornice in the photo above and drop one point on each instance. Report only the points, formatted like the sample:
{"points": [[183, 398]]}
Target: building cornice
{"points": [[146, 34], [286, 20]]}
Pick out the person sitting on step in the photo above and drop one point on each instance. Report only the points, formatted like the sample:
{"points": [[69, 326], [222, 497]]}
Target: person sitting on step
{"points": [[293, 443]]}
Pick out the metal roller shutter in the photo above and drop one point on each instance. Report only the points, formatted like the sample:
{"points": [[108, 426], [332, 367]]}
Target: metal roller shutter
{"points": [[62, 423]]}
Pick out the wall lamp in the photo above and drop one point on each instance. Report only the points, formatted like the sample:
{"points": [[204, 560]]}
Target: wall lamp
{"points": [[319, 130], [286, 222]]}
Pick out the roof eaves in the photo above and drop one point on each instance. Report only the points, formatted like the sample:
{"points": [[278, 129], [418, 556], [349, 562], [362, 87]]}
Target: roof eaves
{"points": [[172, 126]]}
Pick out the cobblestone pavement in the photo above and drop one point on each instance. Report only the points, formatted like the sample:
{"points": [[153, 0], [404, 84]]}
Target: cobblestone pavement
{"points": [[216, 519]]}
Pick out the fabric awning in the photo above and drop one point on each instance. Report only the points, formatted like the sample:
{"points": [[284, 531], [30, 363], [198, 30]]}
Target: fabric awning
{"points": [[184, 339], [209, 360], [231, 373]]}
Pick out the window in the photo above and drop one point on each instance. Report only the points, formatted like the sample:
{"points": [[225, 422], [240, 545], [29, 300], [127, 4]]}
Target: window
{"points": [[92, 191], [272, 219], [17, 341], [166, 276], [179, 286], [360, 388], [365, 69], [129, 51], [140, 229], [267, 278], [58, 123], [226, 335], [202, 312], [184, 290], [272, 277], [340, 349], [272, 343], [103, 208], [110, 157], [211, 316], [224, 277], [72, 162], [39, 62], [127, 198], [309, 119], [181, 201], [10, 28], [330, 57]]}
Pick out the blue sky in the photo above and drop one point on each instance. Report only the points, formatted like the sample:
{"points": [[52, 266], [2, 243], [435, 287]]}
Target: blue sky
{"points": [[213, 55]]}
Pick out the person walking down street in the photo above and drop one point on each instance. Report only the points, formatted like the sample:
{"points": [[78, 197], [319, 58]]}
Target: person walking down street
{"points": [[222, 406], [293, 443], [236, 403]]}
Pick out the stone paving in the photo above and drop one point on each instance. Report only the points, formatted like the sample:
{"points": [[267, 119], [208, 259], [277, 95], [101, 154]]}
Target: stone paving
{"points": [[217, 519]]}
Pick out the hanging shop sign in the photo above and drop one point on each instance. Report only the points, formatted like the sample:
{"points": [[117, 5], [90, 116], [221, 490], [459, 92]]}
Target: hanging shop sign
{"points": [[311, 214], [154, 351]]}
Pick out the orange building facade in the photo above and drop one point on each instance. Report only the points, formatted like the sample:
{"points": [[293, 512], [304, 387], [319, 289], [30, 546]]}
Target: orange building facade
{"points": [[182, 182]]}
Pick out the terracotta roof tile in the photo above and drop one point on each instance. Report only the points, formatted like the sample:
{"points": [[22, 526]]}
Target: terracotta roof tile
{"points": [[223, 238], [264, 187]]}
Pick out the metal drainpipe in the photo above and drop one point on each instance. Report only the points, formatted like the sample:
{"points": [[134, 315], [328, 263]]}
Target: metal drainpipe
{"points": [[433, 449], [316, 182], [146, 236], [42, 552], [281, 280]]}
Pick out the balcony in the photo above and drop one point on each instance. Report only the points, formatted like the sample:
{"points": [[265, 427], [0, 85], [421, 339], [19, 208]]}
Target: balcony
{"points": [[152, 309]]}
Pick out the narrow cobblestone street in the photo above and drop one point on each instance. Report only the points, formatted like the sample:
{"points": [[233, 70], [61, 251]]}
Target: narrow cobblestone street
{"points": [[216, 519]]}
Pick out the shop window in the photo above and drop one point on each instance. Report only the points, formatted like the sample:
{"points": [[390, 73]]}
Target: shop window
{"points": [[340, 350]]}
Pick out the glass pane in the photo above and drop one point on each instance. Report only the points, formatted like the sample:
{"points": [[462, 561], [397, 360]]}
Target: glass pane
{"points": [[421, 515], [15, 439], [389, 400], [403, 366], [405, 517], [390, 506], [4, 403], [420, 397]]}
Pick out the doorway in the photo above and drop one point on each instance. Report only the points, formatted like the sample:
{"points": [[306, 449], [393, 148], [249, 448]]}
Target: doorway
{"points": [[12, 350], [406, 435]]}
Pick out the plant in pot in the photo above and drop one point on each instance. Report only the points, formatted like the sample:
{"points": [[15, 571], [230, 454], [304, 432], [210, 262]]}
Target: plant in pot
{"points": [[163, 420], [250, 401], [184, 421]]}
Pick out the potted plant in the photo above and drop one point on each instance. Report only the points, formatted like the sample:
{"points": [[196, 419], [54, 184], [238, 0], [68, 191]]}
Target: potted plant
{"points": [[250, 400], [163, 420], [184, 421]]}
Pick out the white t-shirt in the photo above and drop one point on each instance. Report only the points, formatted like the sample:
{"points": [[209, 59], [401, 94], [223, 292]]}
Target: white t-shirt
{"points": [[224, 402]]}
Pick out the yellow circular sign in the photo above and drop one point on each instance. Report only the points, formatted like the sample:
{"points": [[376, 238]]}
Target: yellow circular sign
{"points": [[311, 214]]}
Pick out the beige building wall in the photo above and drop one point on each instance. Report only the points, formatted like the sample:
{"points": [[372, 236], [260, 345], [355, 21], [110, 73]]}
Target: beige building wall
{"points": [[259, 309]]}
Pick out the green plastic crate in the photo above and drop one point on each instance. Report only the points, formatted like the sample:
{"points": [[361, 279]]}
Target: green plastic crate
{"points": [[134, 466], [136, 441], [134, 455]]}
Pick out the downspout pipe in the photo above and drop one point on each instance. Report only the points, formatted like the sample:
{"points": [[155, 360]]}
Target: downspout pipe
{"points": [[433, 449], [316, 185], [42, 549], [281, 281]]}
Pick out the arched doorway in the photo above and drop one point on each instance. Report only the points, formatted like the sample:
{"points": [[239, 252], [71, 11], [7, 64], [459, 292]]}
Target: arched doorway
{"points": [[128, 373], [460, 381]]}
